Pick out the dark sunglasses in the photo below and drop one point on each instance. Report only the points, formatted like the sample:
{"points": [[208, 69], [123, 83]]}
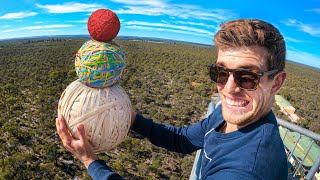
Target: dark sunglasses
{"points": [[244, 78]]}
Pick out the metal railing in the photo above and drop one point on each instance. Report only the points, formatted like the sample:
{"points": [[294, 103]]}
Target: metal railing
{"points": [[298, 162]]}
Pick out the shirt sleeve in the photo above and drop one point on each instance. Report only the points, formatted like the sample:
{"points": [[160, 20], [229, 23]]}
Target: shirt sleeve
{"points": [[99, 170], [178, 139], [234, 175]]}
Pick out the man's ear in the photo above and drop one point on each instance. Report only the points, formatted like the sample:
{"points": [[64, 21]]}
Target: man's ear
{"points": [[278, 81]]}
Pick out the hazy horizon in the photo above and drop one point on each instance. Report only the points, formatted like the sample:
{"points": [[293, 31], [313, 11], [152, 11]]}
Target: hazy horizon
{"points": [[194, 22]]}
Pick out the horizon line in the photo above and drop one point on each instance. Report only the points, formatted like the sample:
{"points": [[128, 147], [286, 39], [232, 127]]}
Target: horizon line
{"points": [[133, 37]]}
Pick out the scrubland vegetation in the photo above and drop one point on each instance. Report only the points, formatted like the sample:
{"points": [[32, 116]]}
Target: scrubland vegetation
{"points": [[158, 80]]}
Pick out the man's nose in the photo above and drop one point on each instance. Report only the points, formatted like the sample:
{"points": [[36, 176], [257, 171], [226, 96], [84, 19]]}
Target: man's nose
{"points": [[231, 85]]}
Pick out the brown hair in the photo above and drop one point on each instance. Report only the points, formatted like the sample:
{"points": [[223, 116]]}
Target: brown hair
{"points": [[251, 32]]}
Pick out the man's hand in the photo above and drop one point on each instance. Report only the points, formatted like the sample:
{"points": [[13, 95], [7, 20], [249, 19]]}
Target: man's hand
{"points": [[81, 148]]}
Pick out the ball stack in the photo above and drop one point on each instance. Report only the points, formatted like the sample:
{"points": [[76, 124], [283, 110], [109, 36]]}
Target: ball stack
{"points": [[95, 99]]}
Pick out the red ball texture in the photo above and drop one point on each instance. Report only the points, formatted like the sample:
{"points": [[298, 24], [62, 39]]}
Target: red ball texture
{"points": [[103, 25]]}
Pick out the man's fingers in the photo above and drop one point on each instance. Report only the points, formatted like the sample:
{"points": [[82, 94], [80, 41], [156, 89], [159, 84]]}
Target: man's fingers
{"points": [[57, 125], [63, 131], [61, 120], [81, 132]]}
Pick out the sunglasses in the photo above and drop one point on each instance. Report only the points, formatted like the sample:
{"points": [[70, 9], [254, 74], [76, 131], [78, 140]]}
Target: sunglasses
{"points": [[245, 79]]}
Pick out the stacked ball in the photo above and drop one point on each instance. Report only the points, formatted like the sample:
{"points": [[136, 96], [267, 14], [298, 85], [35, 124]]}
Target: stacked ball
{"points": [[103, 25], [95, 99], [100, 64]]}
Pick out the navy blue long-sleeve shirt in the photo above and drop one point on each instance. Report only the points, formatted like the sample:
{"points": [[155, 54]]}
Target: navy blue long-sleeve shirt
{"points": [[253, 152]]}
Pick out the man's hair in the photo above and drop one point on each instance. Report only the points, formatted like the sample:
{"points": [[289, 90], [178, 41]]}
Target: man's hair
{"points": [[251, 32]]}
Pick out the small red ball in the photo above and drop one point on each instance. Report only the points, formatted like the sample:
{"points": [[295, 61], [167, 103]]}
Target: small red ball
{"points": [[103, 25]]}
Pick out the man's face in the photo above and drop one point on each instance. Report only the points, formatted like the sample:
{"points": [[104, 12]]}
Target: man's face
{"points": [[242, 107]]}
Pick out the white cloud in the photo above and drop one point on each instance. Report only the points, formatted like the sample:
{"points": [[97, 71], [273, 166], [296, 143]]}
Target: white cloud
{"points": [[216, 15], [303, 57], [141, 11], [81, 21], [48, 30], [170, 27], [164, 29], [289, 22], [18, 15], [6, 26], [175, 11], [293, 40], [316, 10], [159, 8], [312, 30], [70, 7], [37, 27], [141, 2], [197, 24]]}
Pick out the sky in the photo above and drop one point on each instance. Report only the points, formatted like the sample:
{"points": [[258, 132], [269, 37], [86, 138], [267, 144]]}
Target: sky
{"points": [[184, 20]]}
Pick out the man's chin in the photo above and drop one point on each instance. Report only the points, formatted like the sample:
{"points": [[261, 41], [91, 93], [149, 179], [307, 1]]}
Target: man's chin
{"points": [[237, 117]]}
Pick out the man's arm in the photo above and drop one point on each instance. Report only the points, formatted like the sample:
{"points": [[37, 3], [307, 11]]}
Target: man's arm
{"points": [[83, 150], [178, 139], [98, 169]]}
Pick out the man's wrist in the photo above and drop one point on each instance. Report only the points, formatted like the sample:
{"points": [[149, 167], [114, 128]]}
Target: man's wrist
{"points": [[88, 160]]}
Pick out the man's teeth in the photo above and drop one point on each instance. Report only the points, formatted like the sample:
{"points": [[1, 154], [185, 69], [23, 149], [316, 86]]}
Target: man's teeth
{"points": [[239, 103]]}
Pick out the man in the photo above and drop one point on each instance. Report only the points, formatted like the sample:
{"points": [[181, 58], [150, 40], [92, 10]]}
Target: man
{"points": [[241, 138]]}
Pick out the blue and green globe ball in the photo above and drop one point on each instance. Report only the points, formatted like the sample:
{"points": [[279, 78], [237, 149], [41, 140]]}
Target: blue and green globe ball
{"points": [[100, 64]]}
